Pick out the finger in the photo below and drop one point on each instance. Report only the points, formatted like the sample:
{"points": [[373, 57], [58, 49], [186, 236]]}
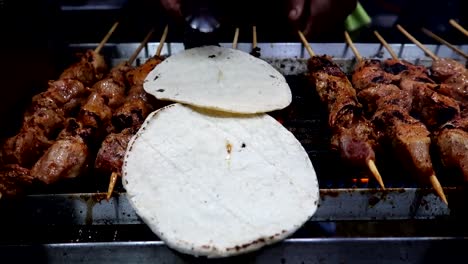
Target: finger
{"points": [[318, 10], [172, 6], [296, 9]]}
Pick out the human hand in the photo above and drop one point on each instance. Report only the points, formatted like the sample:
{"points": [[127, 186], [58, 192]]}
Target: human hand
{"points": [[317, 16]]}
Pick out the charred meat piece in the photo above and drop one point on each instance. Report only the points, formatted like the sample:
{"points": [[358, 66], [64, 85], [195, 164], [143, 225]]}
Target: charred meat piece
{"points": [[374, 96], [332, 86], [452, 146], [13, 180], [432, 108], [369, 73], [138, 75], [409, 139], [131, 114], [95, 112], [88, 70], [66, 158], [110, 156], [453, 77], [25, 147]]}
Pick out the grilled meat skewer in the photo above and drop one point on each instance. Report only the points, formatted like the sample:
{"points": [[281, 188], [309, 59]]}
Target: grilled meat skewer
{"points": [[407, 136], [48, 111], [352, 133], [69, 156], [127, 119]]}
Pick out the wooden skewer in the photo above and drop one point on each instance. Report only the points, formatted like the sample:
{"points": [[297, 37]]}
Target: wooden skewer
{"points": [[162, 41], [371, 163], [443, 41], [254, 37], [115, 175], [375, 172], [458, 26], [236, 37], [106, 37], [140, 47], [112, 182], [438, 188], [419, 44], [306, 44], [353, 48], [385, 44]]}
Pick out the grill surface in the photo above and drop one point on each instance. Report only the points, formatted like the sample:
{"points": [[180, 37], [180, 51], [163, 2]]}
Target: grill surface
{"points": [[68, 216]]}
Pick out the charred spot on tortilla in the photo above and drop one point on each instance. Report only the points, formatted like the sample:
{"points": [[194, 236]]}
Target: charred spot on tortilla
{"points": [[243, 145], [155, 78], [160, 90], [228, 147], [212, 56]]}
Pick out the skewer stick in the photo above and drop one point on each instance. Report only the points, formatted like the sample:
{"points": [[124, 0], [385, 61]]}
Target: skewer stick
{"points": [[112, 182], [419, 44], [371, 163], [385, 44], [236, 37], [376, 173], [106, 37], [254, 37], [458, 26], [443, 41], [306, 44], [351, 45], [438, 188], [162, 40], [140, 47]]}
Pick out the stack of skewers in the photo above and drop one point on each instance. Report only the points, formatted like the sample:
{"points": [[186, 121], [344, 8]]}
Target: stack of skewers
{"points": [[397, 107], [88, 110]]}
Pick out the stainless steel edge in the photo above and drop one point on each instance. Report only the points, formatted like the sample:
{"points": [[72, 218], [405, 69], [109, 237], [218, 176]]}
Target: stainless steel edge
{"points": [[334, 205], [314, 250]]}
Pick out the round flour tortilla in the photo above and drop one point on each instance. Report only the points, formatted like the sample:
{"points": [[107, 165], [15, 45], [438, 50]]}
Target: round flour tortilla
{"points": [[221, 79], [215, 184]]}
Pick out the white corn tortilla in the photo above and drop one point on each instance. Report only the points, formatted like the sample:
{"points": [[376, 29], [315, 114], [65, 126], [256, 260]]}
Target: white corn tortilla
{"points": [[203, 201], [221, 79]]}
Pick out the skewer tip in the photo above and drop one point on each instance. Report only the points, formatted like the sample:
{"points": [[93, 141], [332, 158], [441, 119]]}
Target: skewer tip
{"points": [[438, 188], [376, 173], [112, 182]]}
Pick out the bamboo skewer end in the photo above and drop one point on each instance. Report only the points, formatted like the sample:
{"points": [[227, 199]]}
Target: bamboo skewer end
{"points": [[306, 44], [386, 45], [106, 38], [415, 41], [162, 41], [236, 37], [438, 188], [349, 41], [375, 173]]}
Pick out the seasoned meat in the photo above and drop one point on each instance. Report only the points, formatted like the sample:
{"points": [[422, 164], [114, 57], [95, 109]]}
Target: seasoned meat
{"points": [[110, 156], [138, 75], [409, 139], [13, 180], [452, 146], [49, 120], [454, 79], [88, 70], [352, 134], [95, 112], [25, 147], [369, 73], [66, 158], [112, 91], [379, 94], [131, 114], [334, 89], [432, 108]]}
